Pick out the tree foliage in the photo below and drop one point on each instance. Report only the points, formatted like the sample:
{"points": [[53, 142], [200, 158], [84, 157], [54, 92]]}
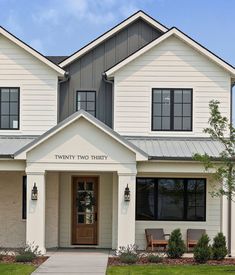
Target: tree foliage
{"points": [[176, 246], [202, 251], [219, 249], [220, 129]]}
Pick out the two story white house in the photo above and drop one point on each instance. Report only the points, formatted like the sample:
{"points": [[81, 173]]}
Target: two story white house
{"points": [[98, 146]]}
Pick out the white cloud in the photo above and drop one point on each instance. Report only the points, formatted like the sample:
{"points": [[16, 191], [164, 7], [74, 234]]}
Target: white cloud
{"points": [[12, 23], [128, 9], [49, 16], [37, 45]]}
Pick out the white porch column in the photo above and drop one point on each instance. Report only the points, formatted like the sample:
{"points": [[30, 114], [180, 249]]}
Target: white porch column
{"points": [[115, 211], [35, 223], [126, 210]]}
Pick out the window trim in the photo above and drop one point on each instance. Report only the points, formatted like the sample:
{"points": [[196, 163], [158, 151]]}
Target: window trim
{"points": [[24, 197], [11, 129], [172, 110], [93, 91], [184, 196]]}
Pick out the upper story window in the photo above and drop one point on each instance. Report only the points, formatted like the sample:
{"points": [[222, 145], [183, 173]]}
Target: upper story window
{"points": [[172, 110], [86, 100], [9, 108], [171, 199]]}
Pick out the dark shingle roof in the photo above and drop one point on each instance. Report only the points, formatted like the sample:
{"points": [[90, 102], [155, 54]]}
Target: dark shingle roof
{"points": [[56, 59]]}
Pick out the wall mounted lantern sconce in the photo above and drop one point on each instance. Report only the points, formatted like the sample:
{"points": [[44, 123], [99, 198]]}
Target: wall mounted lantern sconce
{"points": [[127, 194], [34, 194]]}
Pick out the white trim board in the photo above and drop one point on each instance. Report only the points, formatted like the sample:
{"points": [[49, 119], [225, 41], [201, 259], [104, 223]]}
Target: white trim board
{"points": [[140, 155], [134, 17], [177, 33], [32, 51]]}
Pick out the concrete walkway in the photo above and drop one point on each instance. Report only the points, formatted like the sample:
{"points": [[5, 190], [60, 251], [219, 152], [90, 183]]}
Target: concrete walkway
{"points": [[75, 261]]}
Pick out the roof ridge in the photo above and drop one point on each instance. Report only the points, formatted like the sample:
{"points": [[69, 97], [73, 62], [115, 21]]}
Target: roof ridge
{"points": [[142, 15]]}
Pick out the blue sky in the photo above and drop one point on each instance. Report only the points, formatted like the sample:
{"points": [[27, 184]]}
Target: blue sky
{"points": [[60, 27]]}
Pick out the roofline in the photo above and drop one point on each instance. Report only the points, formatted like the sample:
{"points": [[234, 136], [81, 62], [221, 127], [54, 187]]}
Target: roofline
{"points": [[181, 158], [71, 119], [181, 35], [112, 31], [32, 51], [6, 156]]}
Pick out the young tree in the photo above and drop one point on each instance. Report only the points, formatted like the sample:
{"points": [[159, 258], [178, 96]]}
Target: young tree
{"points": [[221, 129]]}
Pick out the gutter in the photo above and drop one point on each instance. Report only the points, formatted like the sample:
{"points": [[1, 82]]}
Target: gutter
{"points": [[180, 158], [7, 156], [66, 78]]}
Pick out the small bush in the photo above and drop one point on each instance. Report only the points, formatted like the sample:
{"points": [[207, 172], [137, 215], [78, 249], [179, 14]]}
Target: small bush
{"points": [[128, 258], [202, 251], [1, 257], [176, 246], [219, 249], [27, 253], [128, 254], [152, 258], [26, 257]]}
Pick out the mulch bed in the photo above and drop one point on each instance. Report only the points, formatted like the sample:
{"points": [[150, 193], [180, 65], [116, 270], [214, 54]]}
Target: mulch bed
{"points": [[11, 259], [184, 261]]}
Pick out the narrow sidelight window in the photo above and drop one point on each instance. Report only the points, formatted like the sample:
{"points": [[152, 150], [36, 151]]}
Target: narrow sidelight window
{"points": [[172, 110], [171, 199], [24, 197], [86, 100], [9, 108]]}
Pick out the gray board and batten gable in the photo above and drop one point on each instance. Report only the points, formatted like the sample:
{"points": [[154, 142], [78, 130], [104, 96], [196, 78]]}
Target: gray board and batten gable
{"points": [[85, 73]]}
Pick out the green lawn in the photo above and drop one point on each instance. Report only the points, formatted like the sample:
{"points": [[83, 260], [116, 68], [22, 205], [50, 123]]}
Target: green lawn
{"points": [[16, 269], [169, 270]]}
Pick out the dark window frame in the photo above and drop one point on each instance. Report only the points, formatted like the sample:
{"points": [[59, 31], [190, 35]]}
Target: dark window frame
{"points": [[24, 198], [185, 200], [171, 110], [86, 91], [18, 111]]}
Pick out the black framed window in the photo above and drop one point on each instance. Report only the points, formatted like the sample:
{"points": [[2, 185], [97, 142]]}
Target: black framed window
{"points": [[172, 109], [9, 108], [171, 199], [86, 100], [24, 197]]}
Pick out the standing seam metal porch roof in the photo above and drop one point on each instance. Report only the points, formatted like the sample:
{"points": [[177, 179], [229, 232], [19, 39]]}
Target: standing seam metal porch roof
{"points": [[161, 148], [11, 144], [177, 147]]}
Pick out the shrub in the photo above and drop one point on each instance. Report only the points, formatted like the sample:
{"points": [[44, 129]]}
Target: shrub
{"points": [[27, 253], [26, 257], [152, 258], [202, 251], [219, 249], [176, 246], [1, 257], [128, 254]]}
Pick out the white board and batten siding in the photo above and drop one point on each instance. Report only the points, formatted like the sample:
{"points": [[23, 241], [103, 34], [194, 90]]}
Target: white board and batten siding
{"points": [[171, 64], [38, 88]]}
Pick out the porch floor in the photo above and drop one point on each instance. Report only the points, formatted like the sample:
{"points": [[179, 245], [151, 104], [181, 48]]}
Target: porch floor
{"points": [[75, 261]]}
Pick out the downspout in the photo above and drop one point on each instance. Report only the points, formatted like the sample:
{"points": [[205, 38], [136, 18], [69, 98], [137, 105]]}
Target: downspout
{"points": [[230, 199], [63, 80], [104, 77]]}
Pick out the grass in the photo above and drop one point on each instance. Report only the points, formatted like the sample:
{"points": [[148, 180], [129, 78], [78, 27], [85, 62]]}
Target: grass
{"points": [[16, 269], [170, 270]]}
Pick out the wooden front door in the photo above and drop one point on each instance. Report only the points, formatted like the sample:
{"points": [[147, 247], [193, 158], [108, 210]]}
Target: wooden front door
{"points": [[85, 210]]}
